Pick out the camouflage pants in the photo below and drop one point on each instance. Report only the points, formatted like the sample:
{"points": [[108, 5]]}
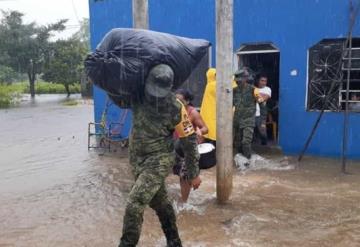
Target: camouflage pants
{"points": [[242, 140], [149, 189], [261, 131]]}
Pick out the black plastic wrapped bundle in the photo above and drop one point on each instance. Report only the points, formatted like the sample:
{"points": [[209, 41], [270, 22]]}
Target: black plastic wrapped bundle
{"points": [[123, 58]]}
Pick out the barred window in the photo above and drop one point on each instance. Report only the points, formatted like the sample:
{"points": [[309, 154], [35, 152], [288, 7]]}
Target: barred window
{"points": [[328, 64]]}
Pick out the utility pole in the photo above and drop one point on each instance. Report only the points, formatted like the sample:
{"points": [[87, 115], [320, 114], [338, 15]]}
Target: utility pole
{"points": [[140, 14], [348, 78], [224, 98], [334, 84]]}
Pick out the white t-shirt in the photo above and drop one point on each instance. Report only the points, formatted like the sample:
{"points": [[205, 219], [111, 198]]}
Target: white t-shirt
{"points": [[266, 91]]}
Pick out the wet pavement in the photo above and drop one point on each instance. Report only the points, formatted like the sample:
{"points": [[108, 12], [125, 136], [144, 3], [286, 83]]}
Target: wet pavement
{"points": [[54, 192]]}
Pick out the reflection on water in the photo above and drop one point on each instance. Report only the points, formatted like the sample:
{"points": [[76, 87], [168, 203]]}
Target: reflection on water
{"points": [[56, 193]]}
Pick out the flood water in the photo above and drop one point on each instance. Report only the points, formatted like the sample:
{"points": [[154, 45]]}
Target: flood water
{"points": [[54, 192]]}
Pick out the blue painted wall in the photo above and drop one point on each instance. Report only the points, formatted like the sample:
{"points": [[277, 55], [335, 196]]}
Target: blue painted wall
{"points": [[293, 26], [105, 15], [193, 19]]}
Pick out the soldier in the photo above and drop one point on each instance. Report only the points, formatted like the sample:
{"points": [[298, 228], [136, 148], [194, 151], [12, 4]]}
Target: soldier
{"points": [[151, 152], [245, 97]]}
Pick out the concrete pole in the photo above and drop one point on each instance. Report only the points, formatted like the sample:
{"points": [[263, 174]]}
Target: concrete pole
{"points": [[140, 14], [224, 113]]}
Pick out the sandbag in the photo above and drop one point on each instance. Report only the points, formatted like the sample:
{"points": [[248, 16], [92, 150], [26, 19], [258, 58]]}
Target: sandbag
{"points": [[123, 58]]}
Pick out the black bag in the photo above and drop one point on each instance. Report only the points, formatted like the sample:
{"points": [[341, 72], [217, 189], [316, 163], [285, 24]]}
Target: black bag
{"points": [[124, 57]]}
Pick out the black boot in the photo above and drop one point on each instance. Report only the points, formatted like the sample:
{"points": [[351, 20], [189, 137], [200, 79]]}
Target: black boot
{"points": [[167, 218], [174, 243]]}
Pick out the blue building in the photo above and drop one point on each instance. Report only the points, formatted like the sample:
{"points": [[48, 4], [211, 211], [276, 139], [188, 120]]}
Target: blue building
{"points": [[298, 43]]}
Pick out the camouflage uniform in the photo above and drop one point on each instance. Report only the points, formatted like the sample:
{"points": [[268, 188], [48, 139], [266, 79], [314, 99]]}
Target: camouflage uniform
{"points": [[151, 153], [244, 118]]}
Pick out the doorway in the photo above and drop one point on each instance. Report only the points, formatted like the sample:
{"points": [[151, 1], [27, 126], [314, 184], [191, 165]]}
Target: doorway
{"points": [[264, 59]]}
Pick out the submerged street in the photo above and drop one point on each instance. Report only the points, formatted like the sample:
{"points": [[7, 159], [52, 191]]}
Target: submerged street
{"points": [[54, 192]]}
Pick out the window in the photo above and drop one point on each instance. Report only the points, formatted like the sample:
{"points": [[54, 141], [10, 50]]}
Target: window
{"points": [[328, 64], [253, 48]]}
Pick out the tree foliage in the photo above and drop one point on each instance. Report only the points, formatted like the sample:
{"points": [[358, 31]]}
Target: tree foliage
{"points": [[65, 65], [66, 61], [7, 74], [25, 47], [83, 35]]}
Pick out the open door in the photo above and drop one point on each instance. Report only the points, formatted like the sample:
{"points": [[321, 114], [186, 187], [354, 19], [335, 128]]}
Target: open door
{"points": [[264, 58]]}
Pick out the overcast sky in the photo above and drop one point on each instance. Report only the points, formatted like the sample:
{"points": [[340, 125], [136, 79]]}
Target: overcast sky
{"points": [[49, 11]]}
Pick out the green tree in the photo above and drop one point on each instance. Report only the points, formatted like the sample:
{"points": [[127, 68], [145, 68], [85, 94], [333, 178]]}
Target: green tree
{"points": [[83, 35], [26, 47], [7, 74], [65, 65]]}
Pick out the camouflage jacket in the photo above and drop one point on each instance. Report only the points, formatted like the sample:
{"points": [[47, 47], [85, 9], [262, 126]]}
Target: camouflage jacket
{"points": [[152, 131], [244, 102]]}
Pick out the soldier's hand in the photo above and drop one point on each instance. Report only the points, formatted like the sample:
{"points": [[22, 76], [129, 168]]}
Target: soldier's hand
{"points": [[195, 183]]}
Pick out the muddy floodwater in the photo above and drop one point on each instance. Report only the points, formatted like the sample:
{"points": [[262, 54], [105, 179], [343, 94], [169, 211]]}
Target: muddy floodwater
{"points": [[54, 192]]}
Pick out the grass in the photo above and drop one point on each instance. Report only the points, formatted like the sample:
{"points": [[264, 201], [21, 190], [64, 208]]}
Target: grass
{"points": [[52, 88], [10, 94]]}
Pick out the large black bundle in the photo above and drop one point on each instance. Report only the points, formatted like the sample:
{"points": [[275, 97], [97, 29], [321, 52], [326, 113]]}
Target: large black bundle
{"points": [[123, 58]]}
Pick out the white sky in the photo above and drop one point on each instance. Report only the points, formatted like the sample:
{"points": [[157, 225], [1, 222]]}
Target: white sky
{"points": [[49, 11]]}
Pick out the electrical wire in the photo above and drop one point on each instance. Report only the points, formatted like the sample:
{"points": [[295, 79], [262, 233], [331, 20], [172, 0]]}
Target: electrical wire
{"points": [[75, 12]]}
